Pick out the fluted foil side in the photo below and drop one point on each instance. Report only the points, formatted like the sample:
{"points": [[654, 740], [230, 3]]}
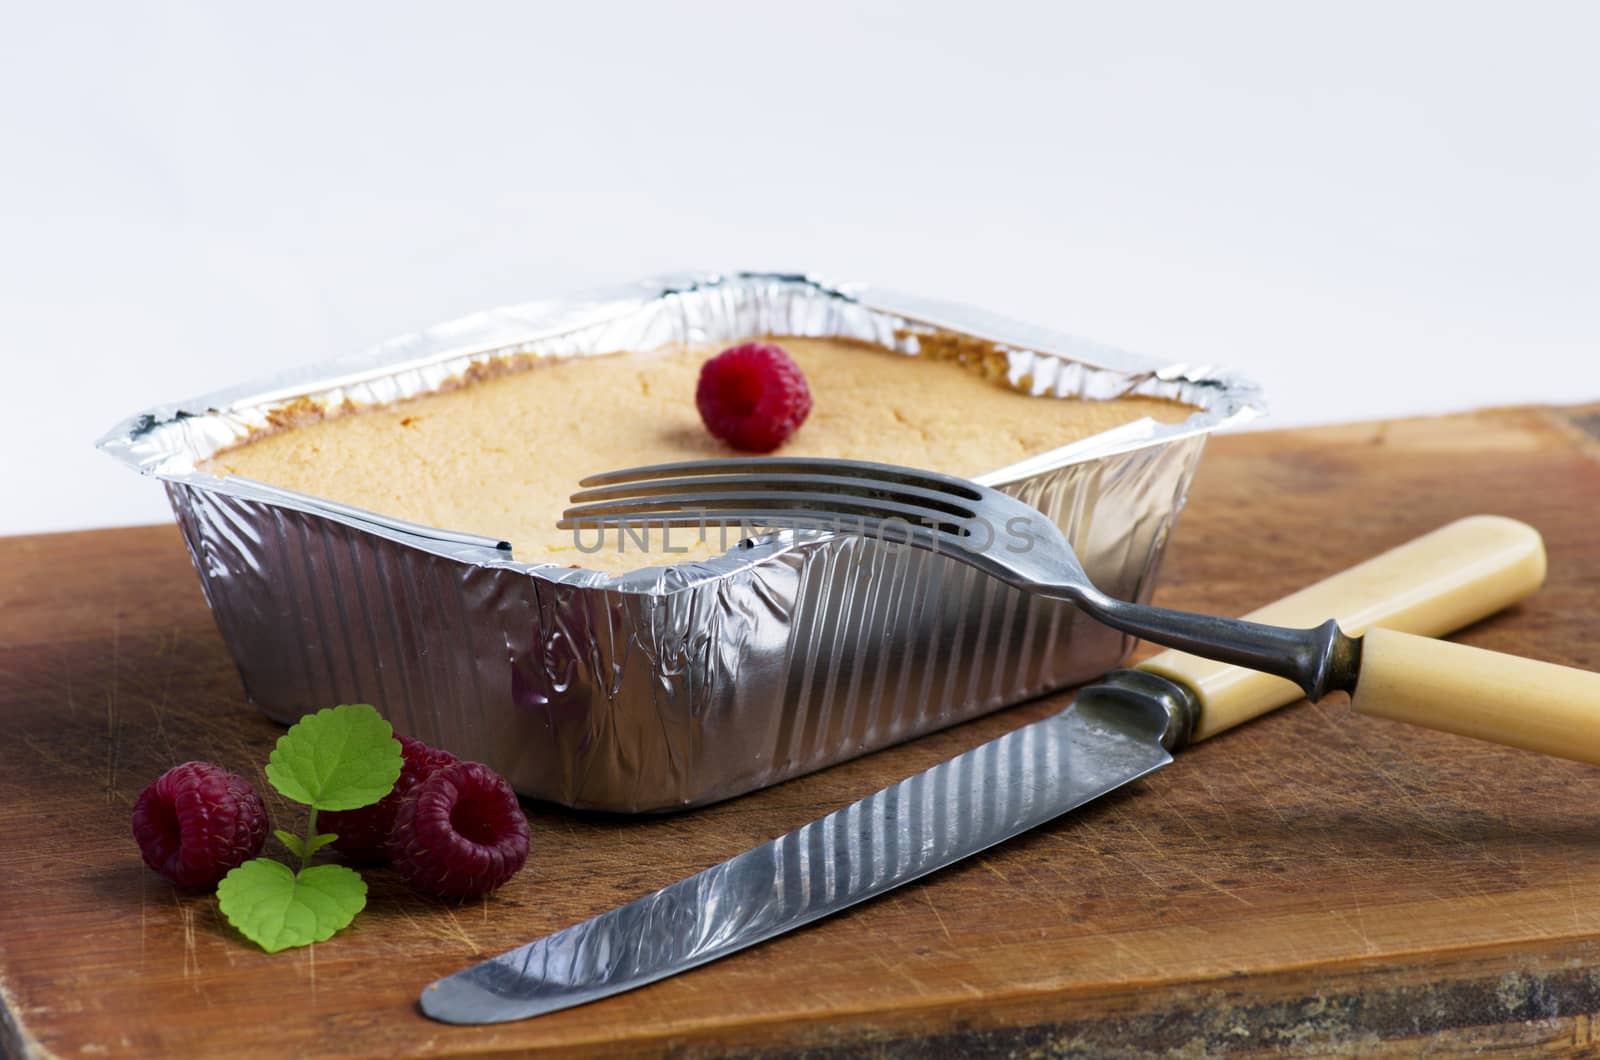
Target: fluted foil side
{"points": [[672, 686]]}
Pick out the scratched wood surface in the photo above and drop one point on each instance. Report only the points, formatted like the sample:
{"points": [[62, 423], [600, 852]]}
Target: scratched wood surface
{"points": [[1308, 881]]}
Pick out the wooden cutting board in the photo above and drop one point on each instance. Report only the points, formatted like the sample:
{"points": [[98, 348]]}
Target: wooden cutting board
{"points": [[1308, 880]]}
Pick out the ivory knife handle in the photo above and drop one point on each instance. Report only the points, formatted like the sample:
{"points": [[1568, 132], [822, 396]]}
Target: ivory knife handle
{"points": [[1430, 586], [1519, 702]]}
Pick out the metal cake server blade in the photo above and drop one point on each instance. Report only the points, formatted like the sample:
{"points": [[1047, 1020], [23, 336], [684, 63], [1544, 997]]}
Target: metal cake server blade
{"points": [[1122, 728], [926, 822]]}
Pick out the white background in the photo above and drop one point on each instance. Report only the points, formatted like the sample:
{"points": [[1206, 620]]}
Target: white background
{"points": [[1374, 209]]}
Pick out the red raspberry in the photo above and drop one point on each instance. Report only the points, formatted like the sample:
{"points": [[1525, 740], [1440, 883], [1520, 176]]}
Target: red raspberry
{"points": [[460, 833], [364, 833], [197, 821], [752, 396]]}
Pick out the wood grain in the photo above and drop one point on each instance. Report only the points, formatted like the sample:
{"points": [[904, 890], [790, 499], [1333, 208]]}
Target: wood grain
{"points": [[1311, 880]]}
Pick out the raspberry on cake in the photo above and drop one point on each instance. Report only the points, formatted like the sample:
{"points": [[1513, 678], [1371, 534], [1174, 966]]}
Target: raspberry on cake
{"points": [[753, 396]]}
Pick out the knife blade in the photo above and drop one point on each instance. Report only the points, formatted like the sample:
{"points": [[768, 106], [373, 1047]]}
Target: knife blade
{"points": [[1116, 731]]}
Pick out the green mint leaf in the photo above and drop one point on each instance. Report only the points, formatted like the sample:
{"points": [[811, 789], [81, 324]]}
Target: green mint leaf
{"points": [[276, 909], [296, 845], [322, 839], [341, 758]]}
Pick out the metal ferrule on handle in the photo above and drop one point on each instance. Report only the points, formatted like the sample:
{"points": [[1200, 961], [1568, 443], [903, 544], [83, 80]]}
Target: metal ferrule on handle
{"points": [[1319, 660]]}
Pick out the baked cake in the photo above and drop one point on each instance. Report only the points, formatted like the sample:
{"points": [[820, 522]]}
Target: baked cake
{"points": [[500, 455]]}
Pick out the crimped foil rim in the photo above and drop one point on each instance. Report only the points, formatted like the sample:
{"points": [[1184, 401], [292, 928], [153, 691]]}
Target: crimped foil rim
{"points": [[159, 441]]}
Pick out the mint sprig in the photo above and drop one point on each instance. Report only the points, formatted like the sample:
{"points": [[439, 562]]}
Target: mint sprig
{"points": [[342, 758]]}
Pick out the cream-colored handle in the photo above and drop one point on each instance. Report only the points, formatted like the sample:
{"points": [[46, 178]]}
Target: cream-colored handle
{"points": [[1430, 586], [1504, 698]]}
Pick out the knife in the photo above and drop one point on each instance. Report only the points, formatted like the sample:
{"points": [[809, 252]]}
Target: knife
{"points": [[1115, 731]]}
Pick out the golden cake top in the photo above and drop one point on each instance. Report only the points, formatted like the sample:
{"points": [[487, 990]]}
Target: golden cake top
{"points": [[501, 454]]}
